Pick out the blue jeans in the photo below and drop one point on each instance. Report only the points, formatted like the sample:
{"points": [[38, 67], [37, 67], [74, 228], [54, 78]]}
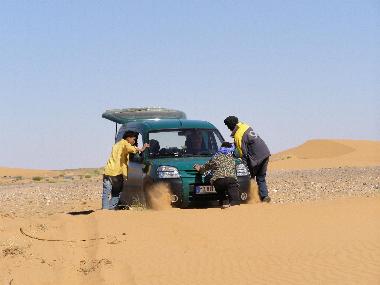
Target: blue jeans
{"points": [[260, 172], [109, 190]]}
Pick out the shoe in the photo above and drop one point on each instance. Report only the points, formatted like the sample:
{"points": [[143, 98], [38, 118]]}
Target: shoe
{"points": [[266, 199], [225, 206], [122, 207]]}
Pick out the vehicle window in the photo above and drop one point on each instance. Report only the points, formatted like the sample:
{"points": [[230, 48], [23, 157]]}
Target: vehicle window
{"points": [[121, 132], [139, 141], [136, 157], [184, 142]]}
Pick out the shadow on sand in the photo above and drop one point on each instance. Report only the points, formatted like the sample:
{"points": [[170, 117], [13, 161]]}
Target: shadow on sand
{"points": [[87, 212]]}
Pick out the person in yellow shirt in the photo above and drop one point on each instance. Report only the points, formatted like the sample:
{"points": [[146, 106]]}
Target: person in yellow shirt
{"points": [[116, 169]]}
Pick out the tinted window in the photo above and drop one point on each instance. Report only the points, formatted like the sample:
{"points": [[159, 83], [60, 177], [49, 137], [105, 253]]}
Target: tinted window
{"points": [[121, 132], [184, 142]]}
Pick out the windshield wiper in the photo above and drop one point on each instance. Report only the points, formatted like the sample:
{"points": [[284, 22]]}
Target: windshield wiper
{"points": [[200, 154], [169, 154]]}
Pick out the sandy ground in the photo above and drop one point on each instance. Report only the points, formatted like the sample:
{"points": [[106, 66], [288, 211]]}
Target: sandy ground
{"points": [[323, 227], [328, 242]]}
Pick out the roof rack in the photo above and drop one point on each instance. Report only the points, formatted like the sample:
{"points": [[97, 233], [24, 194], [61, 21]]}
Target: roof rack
{"points": [[122, 116]]}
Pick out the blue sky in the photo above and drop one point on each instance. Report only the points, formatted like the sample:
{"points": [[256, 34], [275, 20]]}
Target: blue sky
{"points": [[293, 70]]}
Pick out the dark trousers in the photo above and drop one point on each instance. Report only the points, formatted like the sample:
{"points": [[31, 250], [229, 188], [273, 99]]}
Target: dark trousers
{"points": [[228, 190], [112, 186], [116, 182], [260, 172]]}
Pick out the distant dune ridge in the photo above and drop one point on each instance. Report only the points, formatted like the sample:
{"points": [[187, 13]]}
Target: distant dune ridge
{"points": [[7, 171], [29, 173], [315, 154]]}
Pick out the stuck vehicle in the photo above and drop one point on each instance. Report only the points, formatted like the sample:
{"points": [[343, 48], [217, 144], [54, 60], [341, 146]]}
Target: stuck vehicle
{"points": [[176, 144]]}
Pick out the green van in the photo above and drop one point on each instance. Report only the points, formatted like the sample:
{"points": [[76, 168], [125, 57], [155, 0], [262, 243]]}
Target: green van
{"points": [[176, 144]]}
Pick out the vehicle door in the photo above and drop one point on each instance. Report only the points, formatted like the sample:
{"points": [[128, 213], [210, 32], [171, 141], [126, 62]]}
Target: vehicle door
{"points": [[134, 183]]}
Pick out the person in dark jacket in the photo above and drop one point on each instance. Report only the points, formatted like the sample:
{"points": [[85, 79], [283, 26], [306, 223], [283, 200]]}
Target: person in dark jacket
{"points": [[222, 166], [253, 151]]}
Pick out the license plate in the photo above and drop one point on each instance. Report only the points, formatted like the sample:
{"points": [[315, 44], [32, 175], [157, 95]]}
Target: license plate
{"points": [[204, 189]]}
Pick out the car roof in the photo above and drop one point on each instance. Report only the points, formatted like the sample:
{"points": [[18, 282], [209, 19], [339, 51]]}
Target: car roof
{"points": [[159, 124]]}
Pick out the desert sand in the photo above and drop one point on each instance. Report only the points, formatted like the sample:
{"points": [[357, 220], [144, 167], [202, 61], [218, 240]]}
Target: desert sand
{"points": [[322, 227]]}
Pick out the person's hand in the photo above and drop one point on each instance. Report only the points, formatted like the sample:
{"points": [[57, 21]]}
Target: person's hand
{"points": [[197, 167], [143, 148]]}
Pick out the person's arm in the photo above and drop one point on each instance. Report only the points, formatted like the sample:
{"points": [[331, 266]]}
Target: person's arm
{"points": [[135, 149], [245, 141], [207, 166], [146, 145]]}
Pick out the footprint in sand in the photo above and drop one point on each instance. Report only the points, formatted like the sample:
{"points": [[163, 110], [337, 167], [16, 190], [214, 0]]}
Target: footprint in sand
{"points": [[13, 251], [87, 267]]}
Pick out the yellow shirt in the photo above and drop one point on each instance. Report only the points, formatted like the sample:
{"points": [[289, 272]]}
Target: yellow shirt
{"points": [[238, 136], [118, 162]]}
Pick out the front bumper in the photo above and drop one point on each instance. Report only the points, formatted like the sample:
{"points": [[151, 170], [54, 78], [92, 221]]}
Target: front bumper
{"points": [[183, 190]]}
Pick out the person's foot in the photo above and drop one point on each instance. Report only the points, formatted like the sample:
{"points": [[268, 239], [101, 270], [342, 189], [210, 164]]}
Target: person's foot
{"points": [[225, 206], [122, 207], [266, 199]]}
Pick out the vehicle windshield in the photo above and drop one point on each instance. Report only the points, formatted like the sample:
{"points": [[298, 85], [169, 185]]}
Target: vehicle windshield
{"points": [[184, 142]]}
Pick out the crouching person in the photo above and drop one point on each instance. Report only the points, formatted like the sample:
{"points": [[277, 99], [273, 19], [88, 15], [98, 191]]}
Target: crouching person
{"points": [[116, 169], [222, 166]]}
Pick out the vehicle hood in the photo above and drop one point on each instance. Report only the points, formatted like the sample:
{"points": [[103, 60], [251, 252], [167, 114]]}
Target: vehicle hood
{"points": [[181, 163]]}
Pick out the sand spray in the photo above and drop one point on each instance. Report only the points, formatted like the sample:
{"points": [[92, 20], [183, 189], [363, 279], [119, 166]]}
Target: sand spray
{"points": [[159, 196], [254, 197]]}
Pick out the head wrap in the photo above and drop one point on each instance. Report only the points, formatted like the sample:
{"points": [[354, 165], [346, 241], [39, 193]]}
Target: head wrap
{"points": [[226, 150], [231, 122]]}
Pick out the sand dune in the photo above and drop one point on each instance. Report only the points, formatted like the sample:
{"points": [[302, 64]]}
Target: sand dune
{"points": [[328, 154]]}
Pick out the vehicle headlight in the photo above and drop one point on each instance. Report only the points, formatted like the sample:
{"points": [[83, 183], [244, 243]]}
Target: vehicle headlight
{"points": [[167, 172], [241, 170]]}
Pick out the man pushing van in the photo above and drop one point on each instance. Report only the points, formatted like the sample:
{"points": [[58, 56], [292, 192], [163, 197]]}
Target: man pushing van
{"points": [[253, 151], [116, 169]]}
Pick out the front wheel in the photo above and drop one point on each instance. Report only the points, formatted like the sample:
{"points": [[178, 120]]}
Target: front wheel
{"points": [[243, 197]]}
